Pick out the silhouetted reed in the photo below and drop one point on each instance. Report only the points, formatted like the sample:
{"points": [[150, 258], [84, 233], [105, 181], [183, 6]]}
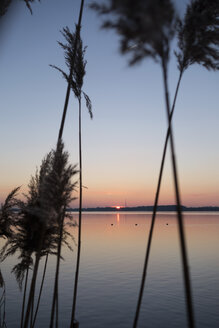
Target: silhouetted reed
{"points": [[24, 297], [76, 82], [198, 40], [7, 215], [37, 226], [147, 29], [4, 5], [28, 2], [27, 227], [7, 218], [59, 195], [76, 85], [40, 292], [40, 227], [194, 47], [2, 302]]}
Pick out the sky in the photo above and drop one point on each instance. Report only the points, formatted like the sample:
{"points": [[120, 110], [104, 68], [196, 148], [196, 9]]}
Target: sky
{"points": [[122, 145]]}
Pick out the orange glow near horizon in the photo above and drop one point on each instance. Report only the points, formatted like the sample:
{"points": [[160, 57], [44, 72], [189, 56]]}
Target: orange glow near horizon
{"points": [[197, 195]]}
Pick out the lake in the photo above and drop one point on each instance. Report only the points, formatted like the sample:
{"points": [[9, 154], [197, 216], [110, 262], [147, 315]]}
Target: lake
{"points": [[113, 250]]}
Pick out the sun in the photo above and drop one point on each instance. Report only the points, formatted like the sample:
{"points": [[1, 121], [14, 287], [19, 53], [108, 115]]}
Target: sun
{"points": [[117, 207]]}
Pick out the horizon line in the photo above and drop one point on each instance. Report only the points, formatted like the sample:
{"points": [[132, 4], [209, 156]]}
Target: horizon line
{"points": [[170, 207]]}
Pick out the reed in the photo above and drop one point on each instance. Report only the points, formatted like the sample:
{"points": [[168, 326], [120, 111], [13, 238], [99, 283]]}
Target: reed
{"points": [[146, 29], [2, 301], [198, 22], [7, 215], [76, 82], [4, 5], [37, 229], [59, 194]]}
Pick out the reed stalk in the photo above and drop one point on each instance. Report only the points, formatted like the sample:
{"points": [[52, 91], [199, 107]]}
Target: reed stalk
{"points": [[55, 291], [79, 224], [40, 292], [24, 298], [32, 286], [150, 236], [178, 206], [146, 29]]}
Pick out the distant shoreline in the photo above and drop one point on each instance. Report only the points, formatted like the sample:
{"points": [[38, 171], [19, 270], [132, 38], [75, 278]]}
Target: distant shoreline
{"points": [[161, 208]]}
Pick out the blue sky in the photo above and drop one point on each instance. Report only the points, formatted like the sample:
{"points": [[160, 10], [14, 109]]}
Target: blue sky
{"points": [[122, 145]]}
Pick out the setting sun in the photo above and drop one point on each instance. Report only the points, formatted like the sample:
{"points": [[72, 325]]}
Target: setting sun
{"points": [[118, 207]]}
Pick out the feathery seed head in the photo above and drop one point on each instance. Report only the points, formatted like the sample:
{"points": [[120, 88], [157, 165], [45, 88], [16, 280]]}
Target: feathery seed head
{"points": [[146, 27], [198, 35], [74, 53]]}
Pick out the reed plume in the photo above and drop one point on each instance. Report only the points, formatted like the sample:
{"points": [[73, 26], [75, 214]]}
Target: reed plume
{"points": [[198, 35], [59, 195], [71, 69], [7, 215], [54, 188], [4, 5]]}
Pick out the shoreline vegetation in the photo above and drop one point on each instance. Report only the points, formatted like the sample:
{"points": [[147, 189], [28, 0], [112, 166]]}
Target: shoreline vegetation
{"points": [[161, 208], [143, 208]]}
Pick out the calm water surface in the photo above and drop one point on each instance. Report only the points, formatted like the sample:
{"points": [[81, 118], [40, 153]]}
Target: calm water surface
{"points": [[113, 250]]}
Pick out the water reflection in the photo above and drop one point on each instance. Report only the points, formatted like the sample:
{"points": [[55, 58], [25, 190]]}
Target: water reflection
{"points": [[117, 217], [111, 266]]}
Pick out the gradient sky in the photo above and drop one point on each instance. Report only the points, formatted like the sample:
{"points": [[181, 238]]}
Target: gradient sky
{"points": [[122, 145]]}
